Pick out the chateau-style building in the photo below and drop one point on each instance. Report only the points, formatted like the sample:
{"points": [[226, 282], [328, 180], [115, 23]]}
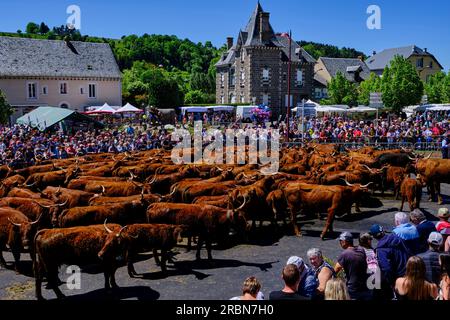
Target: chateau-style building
{"points": [[255, 69]]}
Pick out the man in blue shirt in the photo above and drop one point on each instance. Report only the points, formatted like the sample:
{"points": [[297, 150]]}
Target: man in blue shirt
{"points": [[407, 231], [424, 227]]}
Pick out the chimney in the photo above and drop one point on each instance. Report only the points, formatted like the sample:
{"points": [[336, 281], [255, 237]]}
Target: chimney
{"points": [[374, 53], [425, 49], [229, 42], [264, 33]]}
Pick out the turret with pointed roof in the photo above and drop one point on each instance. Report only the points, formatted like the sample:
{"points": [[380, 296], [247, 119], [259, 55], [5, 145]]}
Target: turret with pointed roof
{"points": [[254, 68]]}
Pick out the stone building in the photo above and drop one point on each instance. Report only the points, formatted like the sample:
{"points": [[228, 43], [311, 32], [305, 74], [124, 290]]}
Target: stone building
{"points": [[67, 74], [255, 68]]}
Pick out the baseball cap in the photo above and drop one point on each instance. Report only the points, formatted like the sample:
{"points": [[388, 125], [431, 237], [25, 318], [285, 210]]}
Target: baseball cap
{"points": [[443, 213], [435, 238], [297, 261], [346, 236], [375, 229]]}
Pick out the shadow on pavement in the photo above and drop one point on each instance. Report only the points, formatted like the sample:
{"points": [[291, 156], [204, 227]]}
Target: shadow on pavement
{"points": [[139, 293]]}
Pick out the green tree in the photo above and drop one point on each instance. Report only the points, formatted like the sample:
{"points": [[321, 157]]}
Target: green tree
{"points": [[202, 82], [435, 88], [342, 91], [401, 85], [43, 28], [373, 84], [32, 28], [447, 88], [195, 97], [5, 109]]}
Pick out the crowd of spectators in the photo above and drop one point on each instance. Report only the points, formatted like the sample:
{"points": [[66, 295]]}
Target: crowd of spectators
{"points": [[410, 262], [22, 145]]}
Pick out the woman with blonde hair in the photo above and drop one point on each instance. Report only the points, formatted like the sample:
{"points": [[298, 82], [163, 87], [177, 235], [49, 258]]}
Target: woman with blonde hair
{"points": [[336, 289], [413, 285], [250, 290]]}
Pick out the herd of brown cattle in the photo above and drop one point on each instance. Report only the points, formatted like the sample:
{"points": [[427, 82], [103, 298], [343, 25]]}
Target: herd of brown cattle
{"points": [[100, 209]]}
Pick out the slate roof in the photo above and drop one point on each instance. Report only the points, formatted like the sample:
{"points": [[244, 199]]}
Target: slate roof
{"points": [[249, 37], [56, 58], [346, 66], [382, 59]]}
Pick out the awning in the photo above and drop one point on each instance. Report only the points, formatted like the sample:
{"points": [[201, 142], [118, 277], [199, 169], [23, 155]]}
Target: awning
{"points": [[106, 108], [129, 108], [361, 109], [45, 117]]}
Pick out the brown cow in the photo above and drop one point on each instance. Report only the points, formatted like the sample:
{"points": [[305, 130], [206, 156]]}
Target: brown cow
{"points": [[72, 198], [24, 193], [433, 172], [218, 201], [73, 246], [34, 208], [139, 238], [335, 200], [203, 221], [116, 189], [11, 182], [411, 189], [121, 213], [98, 200], [16, 231]]}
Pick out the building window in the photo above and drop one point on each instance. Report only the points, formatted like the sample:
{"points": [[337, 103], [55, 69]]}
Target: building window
{"points": [[63, 88], [242, 98], [45, 90], [243, 55], [81, 90], [299, 78], [265, 99], [92, 90], [222, 79], [419, 63], [431, 64], [32, 90], [222, 100], [232, 98], [265, 75], [232, 78], [242, 77]]}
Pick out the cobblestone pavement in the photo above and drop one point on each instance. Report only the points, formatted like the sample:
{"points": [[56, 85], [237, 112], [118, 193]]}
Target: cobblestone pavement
{"points": [[221, 279]]}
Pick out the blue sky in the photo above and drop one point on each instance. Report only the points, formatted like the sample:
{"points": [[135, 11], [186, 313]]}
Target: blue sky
{"points": [[338, 22]]}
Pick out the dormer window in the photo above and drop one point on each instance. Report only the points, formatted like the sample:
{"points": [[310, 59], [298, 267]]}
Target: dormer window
{"points": [[89, 67], [265, 75]]}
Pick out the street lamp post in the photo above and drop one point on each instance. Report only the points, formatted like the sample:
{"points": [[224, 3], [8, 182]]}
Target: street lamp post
{"points": [[289, 86]]}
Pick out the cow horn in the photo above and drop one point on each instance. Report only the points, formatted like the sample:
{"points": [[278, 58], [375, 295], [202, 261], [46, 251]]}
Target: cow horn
{"points": [[230, 169], [106, 227], [366, 185], [122, 229], [58, 190], [29, 185], [39, 218], [103, 190], [41, 205], [412, 159], [242, 205], [365, 166], [114, 159], [14, 224], [220, 169], [429, 156], [173, 191], [154, 178], [347, 183], [9, 168], [63, 204]]}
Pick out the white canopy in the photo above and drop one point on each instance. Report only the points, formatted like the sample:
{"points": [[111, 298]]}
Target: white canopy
{"points": [[193, 109], [331, 109], [362, 109], [128, 108], [444, 107], [221, 108], [106, 108]]}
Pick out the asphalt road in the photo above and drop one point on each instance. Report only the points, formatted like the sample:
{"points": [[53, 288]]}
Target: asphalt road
{"points": [[221, 279]]}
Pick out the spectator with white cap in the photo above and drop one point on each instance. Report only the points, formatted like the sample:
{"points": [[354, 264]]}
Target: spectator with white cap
{"points": [[407, 231], [431, 258], [353, 261], [443, 216], [307, 284]]}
